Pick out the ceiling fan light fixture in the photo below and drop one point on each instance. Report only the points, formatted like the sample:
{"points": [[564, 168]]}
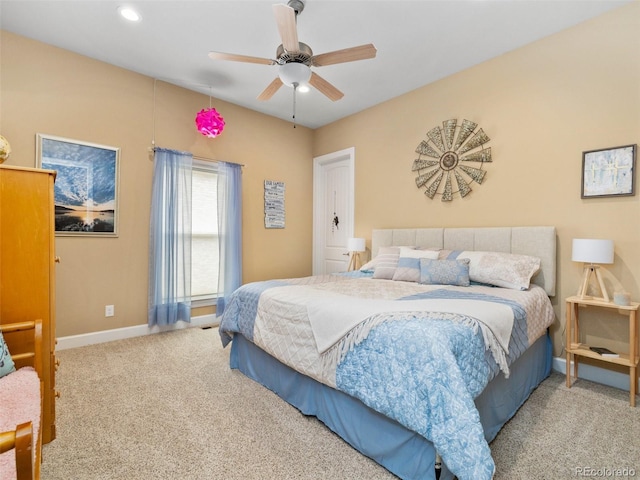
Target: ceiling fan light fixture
{"points": [[294, 59], [129, 14], [294, 74]]}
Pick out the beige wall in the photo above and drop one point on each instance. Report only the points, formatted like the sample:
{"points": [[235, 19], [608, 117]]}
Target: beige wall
{"points": [[47, 90], [542, 106]]}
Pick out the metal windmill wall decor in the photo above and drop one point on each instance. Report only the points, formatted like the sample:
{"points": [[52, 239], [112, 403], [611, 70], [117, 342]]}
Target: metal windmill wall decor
{"points": [[446, 158]]}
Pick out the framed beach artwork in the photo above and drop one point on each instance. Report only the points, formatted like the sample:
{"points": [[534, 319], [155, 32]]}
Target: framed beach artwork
{"points": [[86, 185], [609, 172]]}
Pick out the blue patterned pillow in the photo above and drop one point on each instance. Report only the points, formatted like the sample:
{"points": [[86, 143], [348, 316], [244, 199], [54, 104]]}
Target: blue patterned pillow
{"points": [[444, 272], [6, 362]]}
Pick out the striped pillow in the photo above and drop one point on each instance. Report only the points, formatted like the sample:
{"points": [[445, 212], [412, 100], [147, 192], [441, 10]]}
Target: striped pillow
{"points": [[386, 262]]}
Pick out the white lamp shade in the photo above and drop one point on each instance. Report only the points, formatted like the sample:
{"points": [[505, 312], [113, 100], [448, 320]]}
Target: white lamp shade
{"points": [[294, 73], [356, 245], [590, 250]]}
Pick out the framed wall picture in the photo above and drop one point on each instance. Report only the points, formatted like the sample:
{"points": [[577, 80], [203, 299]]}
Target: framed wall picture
{"points": [[609, 172], [86, 186]]}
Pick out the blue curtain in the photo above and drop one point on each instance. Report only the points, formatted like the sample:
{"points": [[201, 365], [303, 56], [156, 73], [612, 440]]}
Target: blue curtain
{"points": [[170, 238], [229, 231]]}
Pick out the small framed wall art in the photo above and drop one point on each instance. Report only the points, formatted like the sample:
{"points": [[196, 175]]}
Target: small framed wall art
{"points": [[609, 172], [86, 187], [273, 204]]}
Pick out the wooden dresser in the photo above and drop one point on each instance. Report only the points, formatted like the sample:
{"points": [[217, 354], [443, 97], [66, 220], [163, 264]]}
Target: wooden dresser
{"points": [[27, 266]]}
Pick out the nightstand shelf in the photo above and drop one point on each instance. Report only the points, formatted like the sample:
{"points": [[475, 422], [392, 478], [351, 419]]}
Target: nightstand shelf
{"points": [[623, 359], [575, 349]]}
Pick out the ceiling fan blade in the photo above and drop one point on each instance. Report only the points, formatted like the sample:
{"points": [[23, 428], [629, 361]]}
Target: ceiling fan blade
{"points": [[352, 54], [286, 20], [271, 89], [241, 58], [325, 87]]}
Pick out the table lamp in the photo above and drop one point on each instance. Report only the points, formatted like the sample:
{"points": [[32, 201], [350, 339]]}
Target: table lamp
{"points": [[592, 252], [355, 246]]}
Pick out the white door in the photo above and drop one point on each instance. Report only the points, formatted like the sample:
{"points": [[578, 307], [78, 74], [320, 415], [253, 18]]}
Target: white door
{"points": [[333, 205]]}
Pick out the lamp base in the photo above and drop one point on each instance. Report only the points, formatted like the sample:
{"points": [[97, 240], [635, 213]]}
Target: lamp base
{"points": [[588, 271], [354, 262]]}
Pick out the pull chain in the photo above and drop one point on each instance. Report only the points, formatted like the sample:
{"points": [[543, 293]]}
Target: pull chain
{"points": [[295, 87]]}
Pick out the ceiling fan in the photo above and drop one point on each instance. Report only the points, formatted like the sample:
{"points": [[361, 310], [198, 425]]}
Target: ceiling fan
{"points": [[295, 59]]}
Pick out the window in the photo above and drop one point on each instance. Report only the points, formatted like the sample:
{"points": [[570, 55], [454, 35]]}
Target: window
{"points": [[204, 232]]}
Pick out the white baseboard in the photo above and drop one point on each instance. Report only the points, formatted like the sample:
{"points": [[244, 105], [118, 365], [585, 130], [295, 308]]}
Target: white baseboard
{"points": [[74, 341], [592, 373]]}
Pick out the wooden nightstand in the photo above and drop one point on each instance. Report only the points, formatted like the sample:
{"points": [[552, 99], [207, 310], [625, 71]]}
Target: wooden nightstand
{"points": [[575, 349]]}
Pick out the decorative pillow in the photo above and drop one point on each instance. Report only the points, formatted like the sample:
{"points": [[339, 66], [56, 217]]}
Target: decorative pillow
{"points": [[445, 272], [386, 262], [373, 263], [6, 362], [507, 270], [408, 269]]}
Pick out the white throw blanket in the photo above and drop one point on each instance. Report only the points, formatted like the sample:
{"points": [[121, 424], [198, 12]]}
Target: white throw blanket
{"points": [[339, 322], [333, 316]]}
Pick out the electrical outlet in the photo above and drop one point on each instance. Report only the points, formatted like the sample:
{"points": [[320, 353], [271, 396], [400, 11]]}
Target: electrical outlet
{"points": [[109, 311]]}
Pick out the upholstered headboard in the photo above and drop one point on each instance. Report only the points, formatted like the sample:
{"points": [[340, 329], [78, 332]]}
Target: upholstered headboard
{"points": [[535, 241]]}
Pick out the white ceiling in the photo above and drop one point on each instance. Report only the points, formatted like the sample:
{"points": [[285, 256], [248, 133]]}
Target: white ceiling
{"points": [[418, 42]]}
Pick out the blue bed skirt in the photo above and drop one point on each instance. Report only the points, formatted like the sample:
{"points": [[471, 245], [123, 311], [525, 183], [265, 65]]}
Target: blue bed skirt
{"points": [[401, 451]]}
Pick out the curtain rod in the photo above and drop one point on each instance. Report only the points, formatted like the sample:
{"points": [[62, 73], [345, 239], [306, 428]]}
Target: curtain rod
{"points": [[206, 159]]}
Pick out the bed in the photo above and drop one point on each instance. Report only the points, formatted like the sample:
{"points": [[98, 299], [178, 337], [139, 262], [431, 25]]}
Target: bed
{"points": [[418, 373]]}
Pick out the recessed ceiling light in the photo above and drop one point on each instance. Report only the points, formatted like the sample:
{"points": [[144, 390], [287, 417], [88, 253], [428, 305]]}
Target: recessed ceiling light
{"points": [[303, 88], [129, 13]]}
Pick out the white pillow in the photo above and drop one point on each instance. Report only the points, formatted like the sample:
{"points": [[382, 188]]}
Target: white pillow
{"points": [[508, 270]]}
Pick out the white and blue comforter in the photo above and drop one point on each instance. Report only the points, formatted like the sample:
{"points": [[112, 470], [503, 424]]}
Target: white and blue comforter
{"points": [[422, 363]]}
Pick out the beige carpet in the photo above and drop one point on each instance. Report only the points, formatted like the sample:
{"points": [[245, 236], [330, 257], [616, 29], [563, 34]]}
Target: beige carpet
{"points": [[167, 406]]}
